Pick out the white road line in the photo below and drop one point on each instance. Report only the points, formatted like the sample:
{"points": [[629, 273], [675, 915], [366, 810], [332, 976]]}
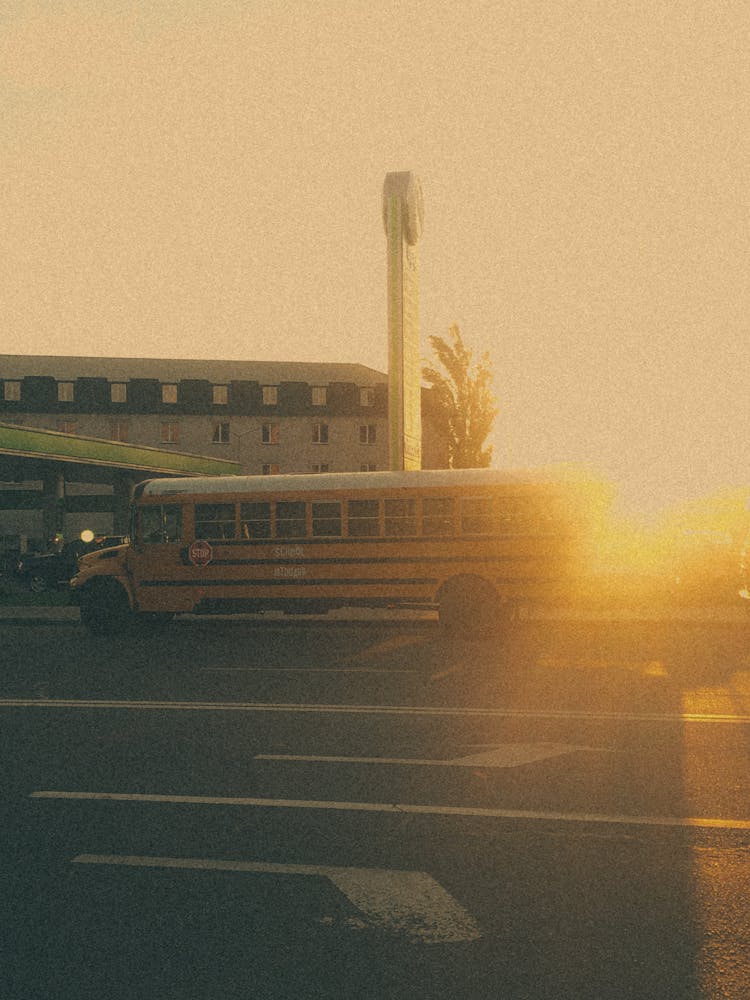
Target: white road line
{"points": [[423, 710], [303, 670], [504, 755], [403, 902], [450, 672], [702, 822]]}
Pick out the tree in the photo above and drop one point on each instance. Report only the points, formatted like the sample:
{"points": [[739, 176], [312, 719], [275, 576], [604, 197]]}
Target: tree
{"points": [[464, 402]]}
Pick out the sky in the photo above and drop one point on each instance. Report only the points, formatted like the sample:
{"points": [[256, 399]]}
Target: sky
{"points": [[203, 179]]}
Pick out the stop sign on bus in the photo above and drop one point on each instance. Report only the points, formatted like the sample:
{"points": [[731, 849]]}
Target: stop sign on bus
{"points": [[200, 552]]}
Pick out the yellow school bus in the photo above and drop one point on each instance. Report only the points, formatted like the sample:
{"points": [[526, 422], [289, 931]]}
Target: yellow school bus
{"points": [[473, 544]]}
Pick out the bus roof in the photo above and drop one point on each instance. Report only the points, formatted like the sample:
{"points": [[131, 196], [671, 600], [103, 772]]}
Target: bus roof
{"points": [[327, 481]]}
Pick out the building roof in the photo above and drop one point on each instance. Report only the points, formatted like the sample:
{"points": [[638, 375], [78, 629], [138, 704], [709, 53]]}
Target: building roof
{"points": [[62, 368]]}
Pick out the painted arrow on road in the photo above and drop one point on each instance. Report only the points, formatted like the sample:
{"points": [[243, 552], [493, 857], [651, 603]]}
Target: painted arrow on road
{"points": [[408, 903]]}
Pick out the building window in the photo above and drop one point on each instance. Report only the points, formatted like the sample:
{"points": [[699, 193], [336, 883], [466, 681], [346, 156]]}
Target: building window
{"points": [[119, 430], [368, 467], [321, 467], [220, 395], [270, 395], [118, 392], [65, 392], [270, 469], [320, 433], [12, 391], [366, 396], [170, 432], [319, 395], [221, 432], [67, 426], [367, 434], [269, 433], [169, 393]]}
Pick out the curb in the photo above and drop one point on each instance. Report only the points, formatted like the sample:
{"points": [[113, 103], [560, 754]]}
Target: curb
{"points": [[726, 614]]}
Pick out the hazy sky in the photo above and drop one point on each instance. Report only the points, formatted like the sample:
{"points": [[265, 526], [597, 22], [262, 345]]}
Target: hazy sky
{"points": [[203, 178]]}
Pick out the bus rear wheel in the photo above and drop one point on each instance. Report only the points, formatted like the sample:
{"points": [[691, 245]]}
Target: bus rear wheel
{"points": [[468, 605]]}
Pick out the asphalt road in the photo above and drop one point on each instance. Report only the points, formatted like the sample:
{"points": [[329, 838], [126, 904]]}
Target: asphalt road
{"points": [[342, 809]]}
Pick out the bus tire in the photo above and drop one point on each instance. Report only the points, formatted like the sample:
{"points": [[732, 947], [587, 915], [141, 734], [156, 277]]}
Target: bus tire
{"points": [[105, 608], [469, 605]]}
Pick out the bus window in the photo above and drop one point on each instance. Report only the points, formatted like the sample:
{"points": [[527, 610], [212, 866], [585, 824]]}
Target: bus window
{"points": [[512, 516], [438, 515], [476, 516], [400, 517], [326, 518], [364, 518], [172, 522], [215, 520], [255, 519], [290, 519], [161, 524], [133, 524]]}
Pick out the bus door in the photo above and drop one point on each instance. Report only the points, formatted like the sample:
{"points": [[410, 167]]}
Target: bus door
{"points": [[154, 560]]}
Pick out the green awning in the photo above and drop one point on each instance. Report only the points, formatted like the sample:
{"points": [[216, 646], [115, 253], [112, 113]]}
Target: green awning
{"points": [[28, 442]]}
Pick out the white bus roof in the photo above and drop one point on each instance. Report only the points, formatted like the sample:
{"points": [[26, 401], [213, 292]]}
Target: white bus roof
{"points": [[322, 482]]}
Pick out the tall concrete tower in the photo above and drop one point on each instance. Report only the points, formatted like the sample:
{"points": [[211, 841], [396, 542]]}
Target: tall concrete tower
{"points": [[403, 213]]}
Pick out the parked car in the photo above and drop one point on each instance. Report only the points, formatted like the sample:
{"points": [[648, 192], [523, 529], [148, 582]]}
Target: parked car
{"points": [[47, 570]]}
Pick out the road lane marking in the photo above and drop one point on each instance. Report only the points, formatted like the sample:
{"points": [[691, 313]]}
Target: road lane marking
{"points": [[701, 822], [304, 670], [504, 755], [409, 903], [423, 710], [448, 672]]}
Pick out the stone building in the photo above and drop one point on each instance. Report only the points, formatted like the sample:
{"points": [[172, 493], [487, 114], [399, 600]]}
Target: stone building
{"points": [[267, 417]]}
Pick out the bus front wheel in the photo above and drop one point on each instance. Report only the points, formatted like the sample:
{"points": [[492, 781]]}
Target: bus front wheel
{"points": [[105, 608]]}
